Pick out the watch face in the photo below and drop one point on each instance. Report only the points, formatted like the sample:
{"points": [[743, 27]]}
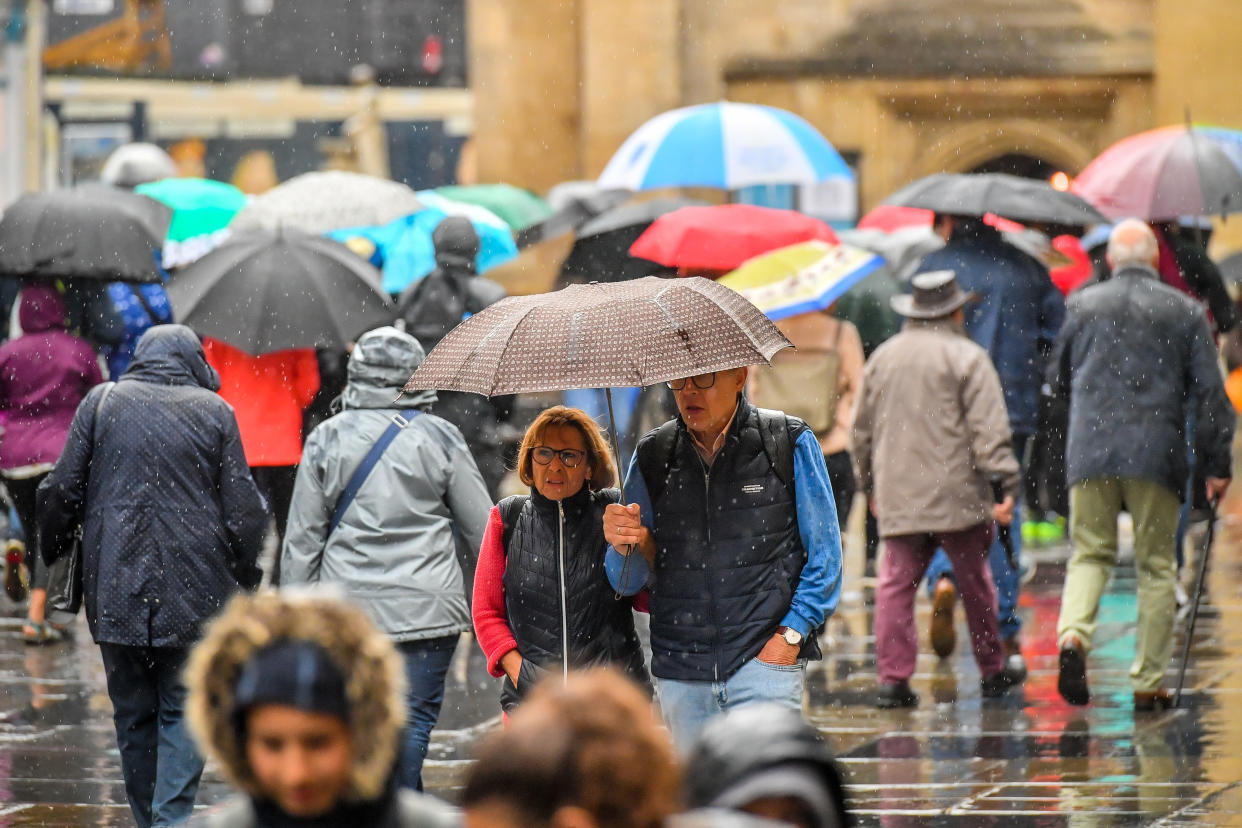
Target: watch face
{"points": [[793, 637]]}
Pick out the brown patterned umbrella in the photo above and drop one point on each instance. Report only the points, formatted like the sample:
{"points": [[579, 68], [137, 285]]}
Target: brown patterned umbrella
{"points": [[639, 332]]}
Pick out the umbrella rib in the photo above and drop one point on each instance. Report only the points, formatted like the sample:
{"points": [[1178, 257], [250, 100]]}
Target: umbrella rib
{"points": [[459, 374]]}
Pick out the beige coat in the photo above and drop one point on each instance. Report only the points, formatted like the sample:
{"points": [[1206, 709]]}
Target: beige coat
{"points": [[930, 430], [815, 336]]}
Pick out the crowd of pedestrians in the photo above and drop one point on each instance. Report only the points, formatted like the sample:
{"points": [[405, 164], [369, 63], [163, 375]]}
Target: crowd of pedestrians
{"points": [[725, 531]]}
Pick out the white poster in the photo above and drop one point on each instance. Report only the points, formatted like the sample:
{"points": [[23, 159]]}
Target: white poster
{"points": [[98, 7]]}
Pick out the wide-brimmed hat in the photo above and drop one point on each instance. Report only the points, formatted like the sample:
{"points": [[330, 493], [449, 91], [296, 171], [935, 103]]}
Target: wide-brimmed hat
{"points": [[935, 294]]}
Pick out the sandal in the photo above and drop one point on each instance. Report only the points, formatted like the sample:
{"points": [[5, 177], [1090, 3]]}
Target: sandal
{"points": [[39, 633]]}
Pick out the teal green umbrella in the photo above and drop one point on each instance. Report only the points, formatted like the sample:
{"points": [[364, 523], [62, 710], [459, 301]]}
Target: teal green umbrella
{"points": [[202, 210], [519, 208], [200, 206]]}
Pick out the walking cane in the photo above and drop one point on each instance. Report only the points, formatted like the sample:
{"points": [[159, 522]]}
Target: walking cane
{"points": [[1194, 606]]}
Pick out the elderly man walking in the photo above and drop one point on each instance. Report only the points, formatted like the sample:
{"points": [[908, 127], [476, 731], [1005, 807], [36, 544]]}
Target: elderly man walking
{"points": [[930, 435], [730, 505], [1133, 358]]}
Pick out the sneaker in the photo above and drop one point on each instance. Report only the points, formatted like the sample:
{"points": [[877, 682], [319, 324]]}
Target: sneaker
{"points": [[14, 557], [1030, 530], [1048, 532], [997, 684], [943, 635], [897, 694], [1014, 662], [1155, 701], [1072, 680]]}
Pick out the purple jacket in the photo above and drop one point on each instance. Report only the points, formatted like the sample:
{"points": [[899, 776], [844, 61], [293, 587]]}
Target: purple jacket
{"points": [[44, 374]]}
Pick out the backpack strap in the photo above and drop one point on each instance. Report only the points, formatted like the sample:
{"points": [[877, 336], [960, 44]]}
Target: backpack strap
{"points": [[777, 444], [510, 508], [655, 458], [399, 421]]}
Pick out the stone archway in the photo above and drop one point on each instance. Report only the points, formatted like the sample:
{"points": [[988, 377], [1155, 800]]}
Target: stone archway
{"points": [[967, 147]]}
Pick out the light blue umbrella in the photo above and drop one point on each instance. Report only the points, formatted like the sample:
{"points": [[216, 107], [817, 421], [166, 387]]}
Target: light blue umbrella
{"points": [[404, 250], [724, 145]]}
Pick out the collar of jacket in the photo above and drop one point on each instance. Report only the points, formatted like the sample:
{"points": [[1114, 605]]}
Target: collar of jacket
{"points": [[744, 407], [1137, 271], [575, 505], [944, 323]]}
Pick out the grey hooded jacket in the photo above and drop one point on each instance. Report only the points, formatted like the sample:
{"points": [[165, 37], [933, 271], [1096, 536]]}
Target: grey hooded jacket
{"points": [[394, 550]]}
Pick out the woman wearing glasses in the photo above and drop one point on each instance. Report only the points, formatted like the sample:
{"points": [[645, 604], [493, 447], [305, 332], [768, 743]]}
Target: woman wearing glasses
{"points": [[542, 601]]}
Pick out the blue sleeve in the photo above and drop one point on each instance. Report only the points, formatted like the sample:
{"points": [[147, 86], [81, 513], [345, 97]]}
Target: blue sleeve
{"points": [[819, 588], [614, 562]]}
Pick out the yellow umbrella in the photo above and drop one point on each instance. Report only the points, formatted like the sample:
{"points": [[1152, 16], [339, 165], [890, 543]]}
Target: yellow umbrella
{"points": [[803, 277]]}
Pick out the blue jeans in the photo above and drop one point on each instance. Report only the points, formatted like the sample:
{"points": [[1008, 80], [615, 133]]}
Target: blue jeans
{"points": [[1004, 576], [687, 705], [158, 758], [426, 665]]}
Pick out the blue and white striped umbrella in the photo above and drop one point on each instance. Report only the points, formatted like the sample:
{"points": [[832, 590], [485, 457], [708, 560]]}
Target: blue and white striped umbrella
{"points": [[724, 145]]}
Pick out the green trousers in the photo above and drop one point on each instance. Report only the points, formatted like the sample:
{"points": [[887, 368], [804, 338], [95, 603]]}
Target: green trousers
{"points": [[1094, 507]]}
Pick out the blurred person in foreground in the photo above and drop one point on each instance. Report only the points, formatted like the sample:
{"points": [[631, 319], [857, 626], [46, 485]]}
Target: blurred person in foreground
{"points": [[582, 752], [930, 434], [540, 583], [299, 700], [1015, 316], [433, 306], [764, 760], [1134, 359], [171, 525], [44, 374], [732, 514], [389, 539]]}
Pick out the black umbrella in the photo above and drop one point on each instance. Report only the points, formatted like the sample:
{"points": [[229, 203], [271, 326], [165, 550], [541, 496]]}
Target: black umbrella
{"points": [[1008, 196], [601, 253], [154, 215], [266, 290], [577, 211], [66, 234]]}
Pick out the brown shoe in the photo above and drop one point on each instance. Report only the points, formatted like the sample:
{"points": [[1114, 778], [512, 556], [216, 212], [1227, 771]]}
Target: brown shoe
{"points": [[1154, 701], [1072, 681], [943, 635]]}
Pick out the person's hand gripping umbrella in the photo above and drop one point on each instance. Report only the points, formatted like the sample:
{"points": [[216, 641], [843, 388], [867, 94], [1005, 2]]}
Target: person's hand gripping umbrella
{"points": [[634, 333]]}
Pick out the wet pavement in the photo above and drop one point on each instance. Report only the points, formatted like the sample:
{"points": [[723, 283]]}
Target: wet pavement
{"points": [[1026, 760]]}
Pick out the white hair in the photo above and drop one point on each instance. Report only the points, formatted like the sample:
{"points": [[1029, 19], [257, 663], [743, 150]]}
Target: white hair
{"points": [[1132, 242]]}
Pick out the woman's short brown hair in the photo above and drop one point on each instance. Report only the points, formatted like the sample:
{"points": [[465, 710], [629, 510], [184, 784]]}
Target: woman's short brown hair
{"points": [[603, 468], [592, 741]]}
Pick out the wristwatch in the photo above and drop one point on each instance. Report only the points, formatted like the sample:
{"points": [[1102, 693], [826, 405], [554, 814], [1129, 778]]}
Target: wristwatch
{"points": [[792, 637]]}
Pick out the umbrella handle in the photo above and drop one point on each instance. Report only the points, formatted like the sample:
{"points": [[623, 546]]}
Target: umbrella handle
{"points": [[616, 453]]}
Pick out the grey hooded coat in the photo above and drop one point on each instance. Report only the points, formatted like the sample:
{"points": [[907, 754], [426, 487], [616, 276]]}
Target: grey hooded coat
{"points": [[394, 551]]}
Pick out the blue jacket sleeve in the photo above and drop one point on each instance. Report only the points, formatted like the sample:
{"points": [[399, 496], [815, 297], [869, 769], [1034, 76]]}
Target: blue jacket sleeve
{"points": [[614, 562], [819, 587]]}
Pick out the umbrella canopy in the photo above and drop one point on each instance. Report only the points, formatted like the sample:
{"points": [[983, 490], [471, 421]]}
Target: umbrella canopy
{"points": [[1008, 196], [601, 251], [433, 200], [574, 213], [801, 278], [155, 216], [132, 164], [725, 145], [723, 237], [1165, 173], [519, 208], [67, 234], [264, 291], [202, 210], [405, 251], [632, 333], [318, 202]]}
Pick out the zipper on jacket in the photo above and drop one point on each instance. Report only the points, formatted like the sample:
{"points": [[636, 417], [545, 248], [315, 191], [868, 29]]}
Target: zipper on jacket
{"points": [[560, 513], [707, 507]]}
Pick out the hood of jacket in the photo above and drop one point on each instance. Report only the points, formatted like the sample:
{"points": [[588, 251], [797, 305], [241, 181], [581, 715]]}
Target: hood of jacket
{"points": [[379, 367], [374, 676], [753, 740], [172, 355], [456, 243], [41, 309]]}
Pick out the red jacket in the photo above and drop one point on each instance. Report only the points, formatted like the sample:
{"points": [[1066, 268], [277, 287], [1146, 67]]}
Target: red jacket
{"points": [[268, 394]]}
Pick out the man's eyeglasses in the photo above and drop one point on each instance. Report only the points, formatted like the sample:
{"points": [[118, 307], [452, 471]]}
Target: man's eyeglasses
{"points": [[570, 458], [701, 382]]}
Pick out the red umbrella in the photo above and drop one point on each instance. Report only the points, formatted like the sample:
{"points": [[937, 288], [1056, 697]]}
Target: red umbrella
{"points": [[722, 237]]}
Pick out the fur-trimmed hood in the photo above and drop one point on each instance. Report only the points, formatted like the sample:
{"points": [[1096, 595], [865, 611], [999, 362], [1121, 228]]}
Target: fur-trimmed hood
{"points": [[375, 679]]}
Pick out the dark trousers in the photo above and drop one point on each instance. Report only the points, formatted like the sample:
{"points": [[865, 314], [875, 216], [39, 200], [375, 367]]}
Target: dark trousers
{"points": [[841, 476], [22, 490], [426, 665], [275, 483], [158, 758]]}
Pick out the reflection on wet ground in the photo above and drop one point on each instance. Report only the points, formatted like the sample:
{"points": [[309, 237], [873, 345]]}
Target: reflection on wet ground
{"points": [[1024, 761]]}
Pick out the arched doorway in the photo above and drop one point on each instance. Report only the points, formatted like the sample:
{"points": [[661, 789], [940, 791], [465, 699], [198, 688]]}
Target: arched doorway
{"points": [[1020, 164]]}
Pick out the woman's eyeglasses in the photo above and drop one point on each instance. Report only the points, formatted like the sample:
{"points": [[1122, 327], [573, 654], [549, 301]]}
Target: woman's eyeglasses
{"points": [[570, 458], [701, 382]]}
